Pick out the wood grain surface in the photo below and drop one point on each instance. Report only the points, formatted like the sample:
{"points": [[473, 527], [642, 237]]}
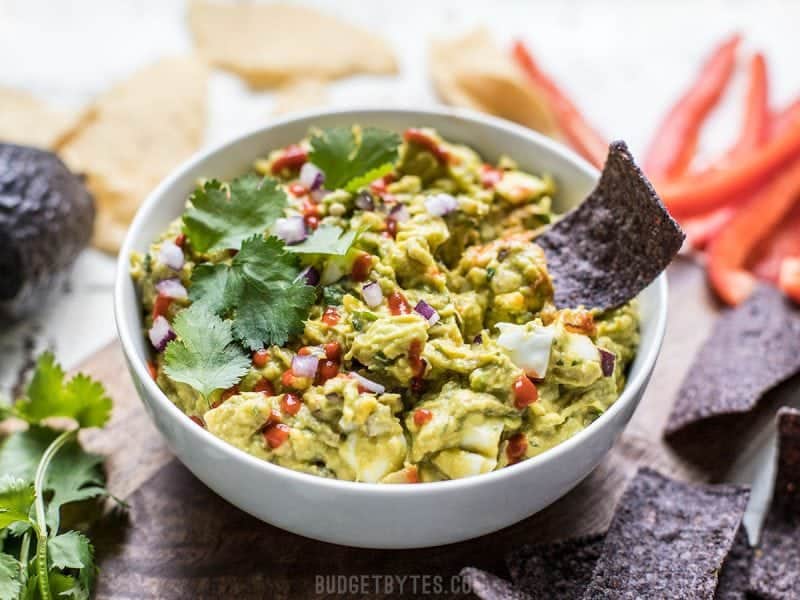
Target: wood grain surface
{"points": [[180, 540]]}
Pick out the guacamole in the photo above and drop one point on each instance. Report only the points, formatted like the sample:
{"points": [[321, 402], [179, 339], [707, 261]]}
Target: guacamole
{"points": [[374, 308]]}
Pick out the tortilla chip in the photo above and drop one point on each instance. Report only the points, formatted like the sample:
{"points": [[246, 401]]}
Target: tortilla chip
{"points": [[491, 587], [473, 72], [612, 246], [270, 44], [300, 95], [751, 349], [136, 134], [776, 565], [735, 574], [27, 121], [667, 538], [560, 570]]}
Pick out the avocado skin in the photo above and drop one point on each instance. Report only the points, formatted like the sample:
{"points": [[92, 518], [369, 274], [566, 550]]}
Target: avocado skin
{"points": [[46, 219]]}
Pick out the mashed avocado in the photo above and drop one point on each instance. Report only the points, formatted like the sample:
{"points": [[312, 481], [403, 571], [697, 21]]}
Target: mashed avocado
{"points": [[428, 346]]}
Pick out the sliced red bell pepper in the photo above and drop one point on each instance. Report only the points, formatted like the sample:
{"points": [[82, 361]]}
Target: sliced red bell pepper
{"points": [[789, 280], [577, 130], [782, 243], [675, 140], [781, 119], [697, 194], [755, 130], [729, 252]]}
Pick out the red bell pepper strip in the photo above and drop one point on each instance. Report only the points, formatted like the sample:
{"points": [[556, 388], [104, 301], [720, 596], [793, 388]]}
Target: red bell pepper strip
{"points": [[789, 280], [577, 130], [729, 252], [675, 140], [755, 130], [782, 243], [782, 119], [697, 194]]}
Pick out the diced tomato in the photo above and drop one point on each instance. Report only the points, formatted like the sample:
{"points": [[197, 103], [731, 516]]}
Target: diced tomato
{"points": [[293, 157], [274, 418], [517, 446], [298, 189], [152, 369], [490, 176], [525, 392], [275, 435], [264, 386], [415, 358], [398, 305], [361, 267], [311, 221], [309, 208], [422, 416], [291, 404], [333, 351], [231, 391], [305, 351], [260, 358], [327, 369], [419, 137], [391, 227], [180, 240], [412, 475], [198, 421], [789, 278], [287, 379], [161, 305], [331, 316], [379, 185]]}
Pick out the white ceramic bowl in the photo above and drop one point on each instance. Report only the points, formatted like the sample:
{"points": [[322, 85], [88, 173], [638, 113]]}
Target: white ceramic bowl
{"points": [[362, 514]]}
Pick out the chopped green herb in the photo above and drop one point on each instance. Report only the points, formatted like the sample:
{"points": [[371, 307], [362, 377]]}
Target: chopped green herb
{"points": [[332, 295], [327, 239]]}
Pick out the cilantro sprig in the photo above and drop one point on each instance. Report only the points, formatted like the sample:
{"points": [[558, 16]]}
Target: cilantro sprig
{"points": [[328, 240], [352, 157], [43, 470], [222, 216]]}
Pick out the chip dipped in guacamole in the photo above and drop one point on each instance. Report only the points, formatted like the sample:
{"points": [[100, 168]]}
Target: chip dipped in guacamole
{"points": [[373, 307]]}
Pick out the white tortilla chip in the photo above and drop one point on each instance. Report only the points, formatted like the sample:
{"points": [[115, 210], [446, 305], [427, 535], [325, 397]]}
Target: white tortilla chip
{"points": [[27, 121], [136, 133], [300, 95], [270, 44], [473, 72]]}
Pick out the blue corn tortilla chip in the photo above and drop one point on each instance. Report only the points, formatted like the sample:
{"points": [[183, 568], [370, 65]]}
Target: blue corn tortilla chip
{"points": [[487, 586], [751, 349], [775, 573], [559, 570], [667, 539], [615, 243], [735, 575]]}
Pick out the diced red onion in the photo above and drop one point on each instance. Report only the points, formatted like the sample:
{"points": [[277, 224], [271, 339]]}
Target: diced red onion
{"points": [[607, 362], [290, 229], [170, 254], [173, 288], [372, 293], [427, 312], [305, 366], [368, 384], [319, 194], [478, 339], [364, 201], [400, 213], [311, 276], [160, 333], [311, 176], [441, 204]]}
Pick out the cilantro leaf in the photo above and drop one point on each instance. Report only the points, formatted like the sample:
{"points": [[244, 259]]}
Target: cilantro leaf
{"points": [[204, 355], [48, 395], [351, 158], [65, 586], [327, 239], [16, 498], [262, 289], [72, 550], [10, 584], [222, 217]]}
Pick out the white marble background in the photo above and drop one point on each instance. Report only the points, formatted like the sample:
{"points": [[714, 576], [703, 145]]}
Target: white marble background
{"points": [[624, 61]]}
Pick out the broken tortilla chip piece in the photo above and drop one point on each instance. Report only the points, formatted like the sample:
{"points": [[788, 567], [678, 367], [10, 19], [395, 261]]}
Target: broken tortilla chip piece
{"points": [[735, 574], [136, 133], [667, 538], [775, 572], [615, 243], [300, 95], [27, 121], [487, 586], [270, 44], [559, 570], [751, 349], [473, 72]]}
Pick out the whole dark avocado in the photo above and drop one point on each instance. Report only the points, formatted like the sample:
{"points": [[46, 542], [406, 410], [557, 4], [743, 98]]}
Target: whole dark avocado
{"points": [[46, 219]]}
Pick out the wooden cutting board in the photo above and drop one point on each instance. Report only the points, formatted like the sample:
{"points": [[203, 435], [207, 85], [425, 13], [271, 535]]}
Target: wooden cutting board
{"points": [[180, 540]]}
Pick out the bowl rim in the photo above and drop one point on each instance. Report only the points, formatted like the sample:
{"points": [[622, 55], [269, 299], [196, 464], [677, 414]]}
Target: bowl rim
{"points": [[139, 370]]}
